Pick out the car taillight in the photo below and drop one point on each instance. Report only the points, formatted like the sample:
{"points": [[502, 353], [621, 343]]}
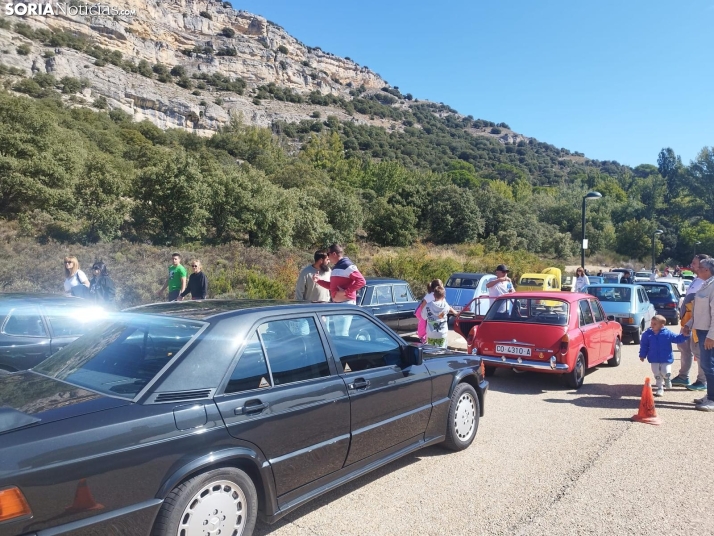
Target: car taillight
{"points": [[564, 342], [669, 305], [13, 504]]}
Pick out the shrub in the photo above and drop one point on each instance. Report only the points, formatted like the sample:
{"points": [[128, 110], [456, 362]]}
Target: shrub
{"points": [[185, 82], [218, 101], [5, 24], [226, 51], [283, 49], [100, 103], [228, 32], [256, 101], [23, 49], [315, 115], [496, 130], [196, 92], [206, 15], [144, 69], [262, 287], [178, 70], [73, 85], [227, 5]]}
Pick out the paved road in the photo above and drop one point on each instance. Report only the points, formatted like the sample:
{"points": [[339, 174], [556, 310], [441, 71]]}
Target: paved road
{"points": [[546, 461]]}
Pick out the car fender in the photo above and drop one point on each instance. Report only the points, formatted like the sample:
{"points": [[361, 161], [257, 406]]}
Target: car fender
{"points": [[470, 375], [261, 471]]}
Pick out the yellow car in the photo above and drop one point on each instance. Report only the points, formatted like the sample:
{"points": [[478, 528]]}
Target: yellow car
{"points": [[548, 280]]}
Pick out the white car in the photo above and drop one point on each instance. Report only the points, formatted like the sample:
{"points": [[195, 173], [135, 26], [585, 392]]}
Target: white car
{"points": [[643, 276]]}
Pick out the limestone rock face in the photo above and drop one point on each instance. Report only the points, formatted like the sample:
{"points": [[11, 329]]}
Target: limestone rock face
{"points": [[160, 31]]}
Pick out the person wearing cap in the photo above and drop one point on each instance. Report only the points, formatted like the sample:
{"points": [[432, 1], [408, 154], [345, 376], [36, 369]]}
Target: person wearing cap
{"points": [[502, 284]]}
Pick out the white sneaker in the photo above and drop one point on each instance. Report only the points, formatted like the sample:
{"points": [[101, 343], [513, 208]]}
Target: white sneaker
{"points": [[707, 405], [700, 400], [659, 391]]}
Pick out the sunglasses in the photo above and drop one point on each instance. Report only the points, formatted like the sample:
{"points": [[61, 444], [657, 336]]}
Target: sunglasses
{"points": [[194, 266], [68, 262], [96, 268]]}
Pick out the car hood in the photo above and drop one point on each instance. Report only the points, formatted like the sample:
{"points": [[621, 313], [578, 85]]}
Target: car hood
{"points": [[30, 399], [622, 308], [460, 296]]}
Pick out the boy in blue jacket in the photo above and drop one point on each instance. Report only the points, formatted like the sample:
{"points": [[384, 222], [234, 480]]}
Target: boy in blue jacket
{"points": [[656, 346]]}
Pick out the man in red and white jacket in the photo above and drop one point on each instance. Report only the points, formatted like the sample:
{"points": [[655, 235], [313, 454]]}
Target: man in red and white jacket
{"points": [[345, 279]]}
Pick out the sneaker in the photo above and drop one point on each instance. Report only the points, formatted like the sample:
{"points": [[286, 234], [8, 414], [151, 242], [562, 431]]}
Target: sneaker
{"points": [[659, 392], [708, 405], [667, 383], [680, 381], [697, 386], [700, 400]]}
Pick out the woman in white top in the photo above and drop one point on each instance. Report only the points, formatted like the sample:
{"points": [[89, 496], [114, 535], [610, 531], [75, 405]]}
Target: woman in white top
{"points": [[74, 276], [581, 280]]}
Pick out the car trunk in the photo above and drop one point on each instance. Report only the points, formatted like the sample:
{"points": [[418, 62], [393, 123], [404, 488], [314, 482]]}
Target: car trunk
{"points": [[515, 334]]}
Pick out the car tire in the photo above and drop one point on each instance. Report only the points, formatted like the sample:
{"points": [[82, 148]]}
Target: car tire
{"points": [[489, 370], [637, 335], [616, 358], [464, 413], [575, 377], [223, 500]]}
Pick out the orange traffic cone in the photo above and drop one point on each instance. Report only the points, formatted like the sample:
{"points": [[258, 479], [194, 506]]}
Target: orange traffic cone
{"points": [[83, 500], [647, 413]]}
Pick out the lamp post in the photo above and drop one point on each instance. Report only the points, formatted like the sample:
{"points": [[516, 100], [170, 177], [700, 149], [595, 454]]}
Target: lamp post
{"points": [[589, 195], [695, 246], [657, 232]]}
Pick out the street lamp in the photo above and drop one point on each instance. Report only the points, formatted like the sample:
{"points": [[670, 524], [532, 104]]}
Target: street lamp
{"points": [[589, 195], [695, 246], [657, 232]]}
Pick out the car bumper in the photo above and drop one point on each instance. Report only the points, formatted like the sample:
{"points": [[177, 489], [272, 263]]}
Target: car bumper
{"points": [[668, 313], [524, 364]]}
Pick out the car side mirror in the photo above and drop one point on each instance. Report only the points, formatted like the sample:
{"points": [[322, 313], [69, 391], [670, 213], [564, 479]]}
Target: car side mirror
{"points": [[412, 355], [610, 317]]}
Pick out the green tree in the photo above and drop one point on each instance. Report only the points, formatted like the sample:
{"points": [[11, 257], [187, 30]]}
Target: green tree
{"points": [[172, 200], [99, 203], [454, 216], [391, 225], [701, 179], [634, 238]]}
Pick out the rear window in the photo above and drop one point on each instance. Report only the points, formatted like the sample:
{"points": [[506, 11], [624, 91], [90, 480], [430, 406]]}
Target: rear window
{"points": [[611, 294], [657, 291], [463, 282], [120, 357], [529, 311]]}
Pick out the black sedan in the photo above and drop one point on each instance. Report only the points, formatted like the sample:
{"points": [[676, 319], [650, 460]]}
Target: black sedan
{"points": [[665, 298], [35, 326], [196, 417], [392, 301]]}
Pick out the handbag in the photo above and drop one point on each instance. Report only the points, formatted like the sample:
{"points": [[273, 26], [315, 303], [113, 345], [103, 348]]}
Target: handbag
{"points": [[80, 291]]}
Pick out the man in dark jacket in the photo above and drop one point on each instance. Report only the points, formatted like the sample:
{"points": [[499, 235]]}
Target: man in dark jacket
{"points": [[197, 282]]}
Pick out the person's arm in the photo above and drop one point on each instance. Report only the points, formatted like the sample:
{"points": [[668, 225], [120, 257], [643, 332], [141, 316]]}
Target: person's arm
{"points": [[357, 281], [300, 286], [81, 274], [644, 346], [709, 342], [320, 282], [494, 282], [191, 279], [204, 286]]}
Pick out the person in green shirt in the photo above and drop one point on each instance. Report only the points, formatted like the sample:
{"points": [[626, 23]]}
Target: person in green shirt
{"points": [[176, 282]]}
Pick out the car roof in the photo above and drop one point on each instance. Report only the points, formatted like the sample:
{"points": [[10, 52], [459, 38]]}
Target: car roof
{"points": [[16, 298], [383, 280], [545, 295], [471, 275], [209, 309]]}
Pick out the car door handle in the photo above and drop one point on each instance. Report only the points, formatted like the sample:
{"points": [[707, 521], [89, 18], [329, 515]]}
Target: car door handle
{"points": [[358, 384], [251, 407]]}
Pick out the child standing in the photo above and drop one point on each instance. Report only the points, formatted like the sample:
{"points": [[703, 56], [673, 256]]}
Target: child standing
{"points": [[656, 346], [437, 321], [428, 298]]}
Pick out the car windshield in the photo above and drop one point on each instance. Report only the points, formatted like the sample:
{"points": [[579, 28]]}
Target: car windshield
{"points": [[529, 311], [536, 281], [611, 294], [612, 278], [119, 357], [463, 282], [642, 274]]}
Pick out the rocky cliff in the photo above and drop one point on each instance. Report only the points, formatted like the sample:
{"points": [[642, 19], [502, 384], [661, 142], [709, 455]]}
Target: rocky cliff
{"points": [[204, 39]]}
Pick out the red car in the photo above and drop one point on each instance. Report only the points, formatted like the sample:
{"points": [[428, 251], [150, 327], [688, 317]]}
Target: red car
{"points": [[556, 333]]}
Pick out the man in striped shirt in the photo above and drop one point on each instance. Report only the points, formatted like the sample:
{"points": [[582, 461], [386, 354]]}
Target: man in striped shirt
{"points": [[345, 279]]}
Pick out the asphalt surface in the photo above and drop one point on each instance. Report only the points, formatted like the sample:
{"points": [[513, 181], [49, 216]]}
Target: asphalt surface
{"points": [[547, 460]]}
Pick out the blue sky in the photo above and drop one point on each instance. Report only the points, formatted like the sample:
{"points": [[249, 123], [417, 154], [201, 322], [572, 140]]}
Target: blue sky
{"points": [[616, 80]]}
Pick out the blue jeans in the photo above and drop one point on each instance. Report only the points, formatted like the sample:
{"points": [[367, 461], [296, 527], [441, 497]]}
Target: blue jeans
{"points": [[706, 362]]}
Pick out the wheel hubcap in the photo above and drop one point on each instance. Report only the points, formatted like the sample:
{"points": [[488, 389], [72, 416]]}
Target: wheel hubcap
{"points": [[465, 417], [579, 368], [218, 509]]}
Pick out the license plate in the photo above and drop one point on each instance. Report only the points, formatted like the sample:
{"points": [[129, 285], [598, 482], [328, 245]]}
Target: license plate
{"points": [[512, 350]]}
